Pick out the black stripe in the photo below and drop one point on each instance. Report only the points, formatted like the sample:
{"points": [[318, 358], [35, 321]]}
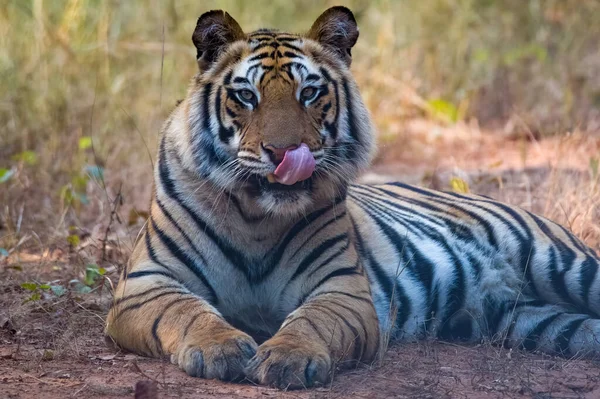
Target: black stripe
{"points": [[227, 79], [206, 155], [235, 257], [317, 253], [388, 286], [292, 47], [239, 79], [532, 303], [262, 56], [249, 159], [287, 39], [144, 273], [332, 127], [146, 301], [231, 114], [312, 325], [336, 254], [469, 201], [557, 277], [424, 271], [154, 259], [206, 106], [418, 265], [148, 291], [316, 232], [372, 208], [289, 54], [253, 68], [262, 77], [195, 317], [346, 294], [358, 344], [187, 239], [276, 253], [475, 263], [377, 204], [360, 320], [532, 339], [245, 217], [493, 311], [190, 324], [159, 318], [564, 337], [587, 276], [225, 133], [268, 43], [575, 241], [351, 151], [345, 271], [567, 257], [185, 259], [457, 228], [527, 249]]}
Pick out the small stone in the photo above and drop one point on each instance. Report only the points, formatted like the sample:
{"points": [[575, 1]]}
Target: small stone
{"points": [[146, 389]]}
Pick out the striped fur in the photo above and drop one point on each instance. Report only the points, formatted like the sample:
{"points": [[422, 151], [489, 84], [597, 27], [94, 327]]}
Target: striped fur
{"points": [[234, 277]]}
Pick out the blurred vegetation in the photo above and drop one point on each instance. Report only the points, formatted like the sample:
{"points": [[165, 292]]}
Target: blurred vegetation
{"points": [[85, 84]]}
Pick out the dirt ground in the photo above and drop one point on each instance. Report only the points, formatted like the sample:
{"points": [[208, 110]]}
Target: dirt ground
{"points": [[53, 347]]}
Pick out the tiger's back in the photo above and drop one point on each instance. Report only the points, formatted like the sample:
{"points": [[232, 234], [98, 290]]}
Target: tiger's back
{"points": [[466, 267]]}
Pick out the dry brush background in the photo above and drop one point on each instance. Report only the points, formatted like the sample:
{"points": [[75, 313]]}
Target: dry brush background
{"points": [[498, 97]]}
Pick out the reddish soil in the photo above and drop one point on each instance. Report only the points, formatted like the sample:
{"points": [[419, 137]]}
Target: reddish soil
{"points": [[54, 348]]}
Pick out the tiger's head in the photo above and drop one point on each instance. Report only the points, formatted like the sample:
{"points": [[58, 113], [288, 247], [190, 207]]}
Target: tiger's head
{"points": [[277, 117]]}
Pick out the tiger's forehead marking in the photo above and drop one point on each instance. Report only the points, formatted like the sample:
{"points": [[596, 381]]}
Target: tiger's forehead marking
{"points": [[275, 56]]}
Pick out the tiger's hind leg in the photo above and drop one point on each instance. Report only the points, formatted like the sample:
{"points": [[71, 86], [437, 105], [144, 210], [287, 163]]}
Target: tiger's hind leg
{"points": [[562, 311], [534, 325], [505, 309]]}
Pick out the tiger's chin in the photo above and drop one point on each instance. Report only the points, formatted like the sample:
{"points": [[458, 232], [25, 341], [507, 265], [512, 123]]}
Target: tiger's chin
{"points": [[287, 204], [291, 201], [285, 201], [275, 199]]}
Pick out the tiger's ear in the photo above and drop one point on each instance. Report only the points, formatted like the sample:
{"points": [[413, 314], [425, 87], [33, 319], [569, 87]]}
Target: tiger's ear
{"points": [[215, 30], [336, 29]]}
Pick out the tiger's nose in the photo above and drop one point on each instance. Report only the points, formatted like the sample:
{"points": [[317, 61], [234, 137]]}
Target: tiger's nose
{"points": [[276, 154]]}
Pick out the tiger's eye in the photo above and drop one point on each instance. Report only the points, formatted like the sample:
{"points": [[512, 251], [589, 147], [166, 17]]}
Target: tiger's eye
{"points": [[246, 95], [308, 93]]}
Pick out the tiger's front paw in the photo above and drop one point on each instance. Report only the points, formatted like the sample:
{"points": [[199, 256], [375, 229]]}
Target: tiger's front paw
{"points": [[223, 355], [288, 363]]}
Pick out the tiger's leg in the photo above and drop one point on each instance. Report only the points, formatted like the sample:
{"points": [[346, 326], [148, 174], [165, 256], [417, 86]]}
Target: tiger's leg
{"points": [[155, 315], [336, 324], [537, 326], [563, 284]]}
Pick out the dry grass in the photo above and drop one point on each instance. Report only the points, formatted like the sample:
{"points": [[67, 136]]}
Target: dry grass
{"points": [[76, 69]]}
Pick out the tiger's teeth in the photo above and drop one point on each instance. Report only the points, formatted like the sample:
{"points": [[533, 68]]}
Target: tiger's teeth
{"points": [[271, 178]]}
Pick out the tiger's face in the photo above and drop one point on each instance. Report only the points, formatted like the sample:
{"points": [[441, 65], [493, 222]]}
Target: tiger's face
{"points": [[277, 117]]}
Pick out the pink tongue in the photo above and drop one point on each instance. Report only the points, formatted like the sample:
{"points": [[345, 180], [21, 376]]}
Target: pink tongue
{"points": [[297, 165]]}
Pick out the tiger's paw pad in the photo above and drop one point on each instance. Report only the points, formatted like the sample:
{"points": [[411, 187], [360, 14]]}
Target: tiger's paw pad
{"points": [[223, 359], [289, 365]]}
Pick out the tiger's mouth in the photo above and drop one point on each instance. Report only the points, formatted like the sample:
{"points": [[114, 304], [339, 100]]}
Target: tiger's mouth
{"points": [[258, 185]]}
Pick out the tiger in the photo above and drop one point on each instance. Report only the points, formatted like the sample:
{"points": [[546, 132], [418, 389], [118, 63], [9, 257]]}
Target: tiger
{"points": [[263, 259]]}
